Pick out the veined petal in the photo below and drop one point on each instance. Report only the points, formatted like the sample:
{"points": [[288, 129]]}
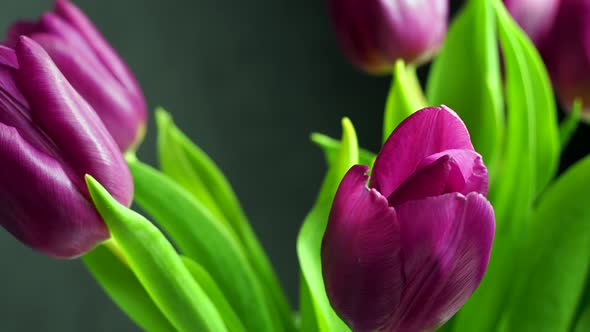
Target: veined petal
{"points": [[71, 123], [74, 16], [468, 172], [108, 97], [8, 57], [426, 132], [446, 245], [62, 223], [361, 254]]}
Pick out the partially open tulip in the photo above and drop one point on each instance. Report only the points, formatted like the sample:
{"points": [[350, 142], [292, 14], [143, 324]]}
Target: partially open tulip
{"points": [[92, 66], [406, 248], [50, 137], [566, 52], [375, 33], [536, 17]]}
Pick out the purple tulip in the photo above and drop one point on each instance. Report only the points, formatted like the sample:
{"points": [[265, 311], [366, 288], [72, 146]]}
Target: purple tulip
{"points": [[566, 53], [50, 137], [376, 33], [405, 250], [92, 66], [536, 17]]}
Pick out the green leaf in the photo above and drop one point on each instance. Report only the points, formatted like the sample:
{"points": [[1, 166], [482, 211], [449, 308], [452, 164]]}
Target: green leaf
{"points": [[553, 273], [405, 97], [200, 236], [331, 148], [466, 77], [192, 169], [518, 178], [583, 324], [123, 287], [157, 265], [570, 124], [232, 321], [310, 237]]}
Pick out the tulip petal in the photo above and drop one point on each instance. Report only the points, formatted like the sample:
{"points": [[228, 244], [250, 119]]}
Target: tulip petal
{"points": [[446, 244], [468, 172], [360, 254], [426, 132], [428, 180], [64, 226], [8, 57], [71, 123], [93, 81], [74, 16]]}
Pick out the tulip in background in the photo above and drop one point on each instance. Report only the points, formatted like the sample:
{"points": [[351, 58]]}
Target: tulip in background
{"points": [[559, 29], [92, 66], [50, 137], [405, 253], [375, 33], [536, 17]]}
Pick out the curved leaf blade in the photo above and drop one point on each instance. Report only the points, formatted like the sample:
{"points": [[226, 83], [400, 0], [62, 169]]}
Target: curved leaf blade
{"points": [[157, 265], [200, 236], [309, 240], [123, 287]]}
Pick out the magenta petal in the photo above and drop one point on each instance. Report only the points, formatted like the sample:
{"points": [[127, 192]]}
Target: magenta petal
{"points": [[17, 29], [41, 207], [74, 16], [426, 132], [468, 172], [8, 57], [360, 254], [108, 97], [446, 245], [71, 123]]}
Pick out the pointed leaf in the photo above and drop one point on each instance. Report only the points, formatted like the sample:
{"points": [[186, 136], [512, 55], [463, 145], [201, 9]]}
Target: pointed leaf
{"points": [[157, 265], [200, 236], [123, 287], [570, 124], [310, 238], [192, 169], [331, 148]]}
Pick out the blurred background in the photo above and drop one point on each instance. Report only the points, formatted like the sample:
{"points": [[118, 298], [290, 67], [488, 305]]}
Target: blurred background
{"points": [[248, 81]]}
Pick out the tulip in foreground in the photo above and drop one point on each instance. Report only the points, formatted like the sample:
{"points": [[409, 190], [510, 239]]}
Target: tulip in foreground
{"points": [[50, 137], [92, 66], [375, 33], [404, 250]]}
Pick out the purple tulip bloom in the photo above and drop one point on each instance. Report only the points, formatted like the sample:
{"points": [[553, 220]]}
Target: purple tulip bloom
{"points": [[375, 33], [50, 137], [92, 66], [405, 250], [536, 17], [566, 52]]}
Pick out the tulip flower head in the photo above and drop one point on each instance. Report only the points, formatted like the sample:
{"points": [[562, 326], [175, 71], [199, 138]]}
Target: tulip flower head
{"points": [[536, 17], [404, 250], [375, 33], [50, 137], [566, 53], [92, 66]]}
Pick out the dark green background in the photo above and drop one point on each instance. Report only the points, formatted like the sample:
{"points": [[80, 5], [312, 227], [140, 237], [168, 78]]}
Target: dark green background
{"points": [[248, 81]]}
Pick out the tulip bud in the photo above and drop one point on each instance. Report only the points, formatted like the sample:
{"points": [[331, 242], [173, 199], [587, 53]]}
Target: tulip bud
{"points": [[50, 137], [535, 17], [375, 33], [404, 250], [566, 53], [92, 66]]}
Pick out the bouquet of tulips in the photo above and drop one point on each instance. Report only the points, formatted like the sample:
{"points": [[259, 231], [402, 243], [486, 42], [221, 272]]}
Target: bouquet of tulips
{"points": [[460, 223]]}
